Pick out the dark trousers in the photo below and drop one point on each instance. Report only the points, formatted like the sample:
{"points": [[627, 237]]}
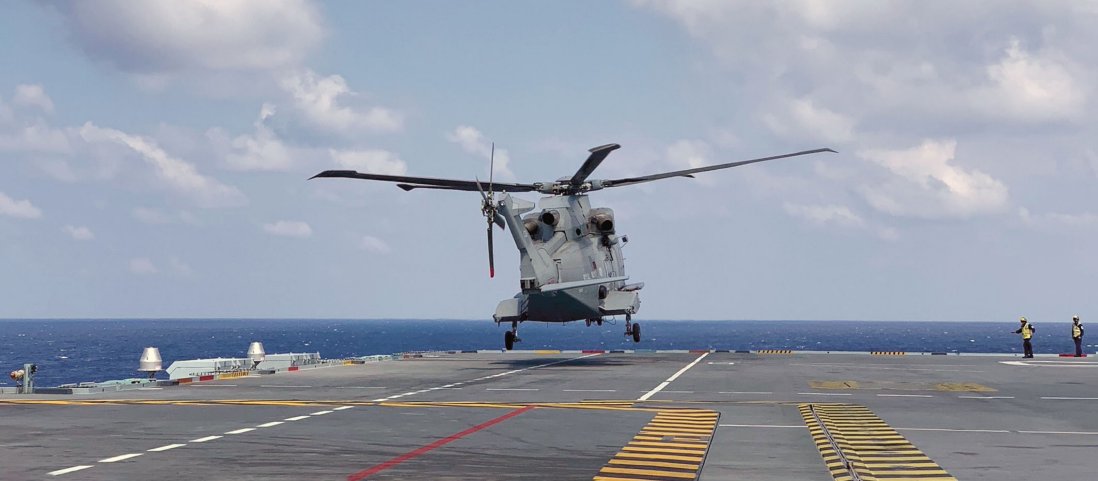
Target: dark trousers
{"points": [[1028, 346], [1078, 346]]}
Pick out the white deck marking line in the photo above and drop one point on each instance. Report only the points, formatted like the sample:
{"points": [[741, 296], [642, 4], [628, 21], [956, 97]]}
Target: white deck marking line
{"points": [[679, 392], [590, 390], [1062, 398], [69, 470], [671, 379], [320, 413], [510, 389], [296, 418], [207, 438], [280, 385], [483, 378], [905, 395], [210, 385], [1084, 433], [240, 431], [120, 458], [996, 431], [270, 424], [165, 448], [361, 387], [986, 397], [825, 394], [342, 408], [762, 426], [745, 392]]}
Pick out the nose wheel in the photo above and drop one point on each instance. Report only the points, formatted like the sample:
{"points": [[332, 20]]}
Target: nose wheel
{"points": [[632, 328], [511, 337]]}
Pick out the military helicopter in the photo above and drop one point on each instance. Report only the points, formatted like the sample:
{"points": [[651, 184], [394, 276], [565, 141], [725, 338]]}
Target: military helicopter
{"points": [[571, 266]]}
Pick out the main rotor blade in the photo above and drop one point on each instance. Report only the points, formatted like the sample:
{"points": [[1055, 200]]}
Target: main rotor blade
{"points": [[491, 254], [689, 172], [598, 154], [410, 183]]}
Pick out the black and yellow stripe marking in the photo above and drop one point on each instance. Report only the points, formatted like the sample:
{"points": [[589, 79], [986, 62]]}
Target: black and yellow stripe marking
{"points": [[888, 353], [871, 448], [774, 351], [672, 446]]}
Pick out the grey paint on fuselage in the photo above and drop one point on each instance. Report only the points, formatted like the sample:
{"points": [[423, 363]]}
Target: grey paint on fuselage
{"points": [[574, 249]]}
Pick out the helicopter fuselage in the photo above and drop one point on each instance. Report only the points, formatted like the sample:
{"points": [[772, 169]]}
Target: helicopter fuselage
{"points": [[571, 265]]}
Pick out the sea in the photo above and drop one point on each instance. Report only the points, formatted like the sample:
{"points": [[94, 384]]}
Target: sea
{"points": [[82, 350]]}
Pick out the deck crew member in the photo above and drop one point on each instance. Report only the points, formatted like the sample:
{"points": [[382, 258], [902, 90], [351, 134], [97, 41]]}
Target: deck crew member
{"points": [[1027, 333], [1077, 335]]}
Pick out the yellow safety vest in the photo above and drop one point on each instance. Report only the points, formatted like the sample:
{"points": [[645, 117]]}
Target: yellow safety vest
{"points": [[1027, 331], [1076, 330]]}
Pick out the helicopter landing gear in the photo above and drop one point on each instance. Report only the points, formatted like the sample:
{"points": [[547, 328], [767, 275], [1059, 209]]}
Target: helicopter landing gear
{"points": [[632, 328], [511, 337]]}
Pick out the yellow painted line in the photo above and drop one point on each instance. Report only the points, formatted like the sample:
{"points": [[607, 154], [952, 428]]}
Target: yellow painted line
{"points": [[680, 427], [608, 478], [669, 457], [547, 351], [665, 433], [698, 446], [962, 387], [682, 424], [649, 472], [644, 449], [653, 464]]}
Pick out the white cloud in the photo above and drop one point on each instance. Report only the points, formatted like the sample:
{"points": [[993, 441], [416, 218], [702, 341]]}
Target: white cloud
{"points": [[150, 216], [472, 141], [32, 96], [289, 228], [804, 120], [179, 267], [142, 266], [825, 214], [22, 209], [321, 101], [79, 233], [372, 161], [1032, 87], [375, 245], [261, 151], [926, 183], [164, 36], [177, 174]]}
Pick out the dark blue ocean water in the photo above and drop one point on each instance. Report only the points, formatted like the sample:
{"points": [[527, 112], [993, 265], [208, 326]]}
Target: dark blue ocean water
{"points": [[96, 350]]}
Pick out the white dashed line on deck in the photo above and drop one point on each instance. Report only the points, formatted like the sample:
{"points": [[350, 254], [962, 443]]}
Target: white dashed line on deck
{"points": [[69, 470], [282, 385], [320, 413], [986, 397], [165, 448], [120, 458], [342, 408], [824, 394], [745, 392], [270, 424], [590, 390], [511, 389], [1083, 433], [296, 418], [205, 439], [904, 395], [1061, 398], [240, 431]]}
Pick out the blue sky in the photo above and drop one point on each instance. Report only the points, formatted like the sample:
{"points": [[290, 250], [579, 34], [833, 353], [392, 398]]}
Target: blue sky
{"points": [[155, 155]]}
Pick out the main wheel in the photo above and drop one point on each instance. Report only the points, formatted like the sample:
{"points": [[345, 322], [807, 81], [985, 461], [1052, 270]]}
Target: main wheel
{"points": [[636, 332], [509, 340]]}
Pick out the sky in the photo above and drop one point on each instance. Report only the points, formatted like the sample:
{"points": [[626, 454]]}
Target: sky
{"points": [[154, 156]]}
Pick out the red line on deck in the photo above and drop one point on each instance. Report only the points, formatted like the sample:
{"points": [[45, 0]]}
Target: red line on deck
{"points": [[359, 476]]}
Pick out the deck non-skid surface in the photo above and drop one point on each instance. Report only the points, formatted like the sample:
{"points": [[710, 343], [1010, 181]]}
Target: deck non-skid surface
{"points": [[559, 416]]}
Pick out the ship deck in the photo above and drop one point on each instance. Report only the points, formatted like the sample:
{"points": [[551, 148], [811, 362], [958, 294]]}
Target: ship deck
{"points": [[560, 416]]}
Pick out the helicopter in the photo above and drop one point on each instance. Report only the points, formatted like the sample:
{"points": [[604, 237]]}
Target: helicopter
{"points": [[571, 266]]}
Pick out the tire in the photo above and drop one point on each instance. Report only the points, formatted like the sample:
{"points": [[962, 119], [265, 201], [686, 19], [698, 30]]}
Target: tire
{"points": [[636, 332], [509, 340]]}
